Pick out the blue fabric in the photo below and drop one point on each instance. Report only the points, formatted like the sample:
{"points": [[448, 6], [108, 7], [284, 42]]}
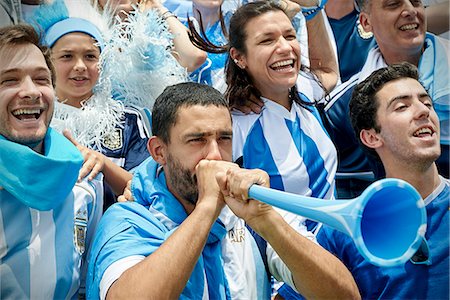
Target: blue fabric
{"points": [[134, 223], [41, 256], [215, 61], [59, 168], [70, 25], [403, 282], [352, 48], [132, 140]]}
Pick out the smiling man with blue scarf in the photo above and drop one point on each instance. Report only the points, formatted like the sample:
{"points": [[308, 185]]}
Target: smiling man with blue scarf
{"points": [[191, 232], [399, 28], [46, 217]]}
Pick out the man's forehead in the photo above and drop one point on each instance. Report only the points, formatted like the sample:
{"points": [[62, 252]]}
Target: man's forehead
{"points": [[203, 118], [22, 56], [401, 88]]}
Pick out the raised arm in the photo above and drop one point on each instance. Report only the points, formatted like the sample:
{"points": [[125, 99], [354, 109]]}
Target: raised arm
{"points": [[321, 55], [316, 273], [185, 52]]}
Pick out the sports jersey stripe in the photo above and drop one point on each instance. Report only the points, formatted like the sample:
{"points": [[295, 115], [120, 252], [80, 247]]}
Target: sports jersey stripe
{"points": [[257, 154], [318, 183], [42, 263], [3, 245], [63, 216], [284, 151], [261, 280], [16, 259]]}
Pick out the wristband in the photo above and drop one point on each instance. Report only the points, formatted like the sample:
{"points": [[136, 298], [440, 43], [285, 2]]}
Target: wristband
{"points": [[312, 11], [168, 14]]}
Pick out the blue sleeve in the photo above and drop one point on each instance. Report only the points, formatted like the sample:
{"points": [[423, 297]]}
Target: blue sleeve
{"points": [[369, 278], [126, 229]]}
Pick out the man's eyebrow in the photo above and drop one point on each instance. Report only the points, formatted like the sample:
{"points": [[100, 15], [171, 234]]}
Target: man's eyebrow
{"points": [[203, 134], [403, 97], [14, 70]]}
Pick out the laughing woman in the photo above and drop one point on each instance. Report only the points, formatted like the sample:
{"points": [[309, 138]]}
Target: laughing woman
{"points": [[287, 138]]}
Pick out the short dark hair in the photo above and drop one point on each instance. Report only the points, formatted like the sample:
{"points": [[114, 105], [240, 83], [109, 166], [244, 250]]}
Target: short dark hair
{"points": [[167, 105], [23, 34], [364, 105]]}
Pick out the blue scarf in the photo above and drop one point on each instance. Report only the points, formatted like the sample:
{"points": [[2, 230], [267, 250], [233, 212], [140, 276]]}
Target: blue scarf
{"points": [[40, 181]]}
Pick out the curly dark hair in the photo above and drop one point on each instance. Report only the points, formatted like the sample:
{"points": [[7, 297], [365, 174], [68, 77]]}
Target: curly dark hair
{"points": [[364, 105]]}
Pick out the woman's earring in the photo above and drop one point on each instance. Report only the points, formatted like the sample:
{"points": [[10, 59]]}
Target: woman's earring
{"points": [[237, 63]]}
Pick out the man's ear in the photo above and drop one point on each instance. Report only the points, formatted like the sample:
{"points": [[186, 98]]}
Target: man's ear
{"points": [[157, 149], [370, 138], [364, 20]]}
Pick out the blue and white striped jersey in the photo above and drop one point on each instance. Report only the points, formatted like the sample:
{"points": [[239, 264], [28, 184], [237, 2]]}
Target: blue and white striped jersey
{"points": [[42, 252], [291, 146]]}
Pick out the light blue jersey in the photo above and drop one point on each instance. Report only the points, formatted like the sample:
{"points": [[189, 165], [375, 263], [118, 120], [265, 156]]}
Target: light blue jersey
{"points": [[42, 248]]}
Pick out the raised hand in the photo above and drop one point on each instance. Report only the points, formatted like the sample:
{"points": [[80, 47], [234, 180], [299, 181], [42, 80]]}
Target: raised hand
{"points": [[93, 160]]}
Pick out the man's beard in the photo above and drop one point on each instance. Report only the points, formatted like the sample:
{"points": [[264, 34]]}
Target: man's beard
{"points": [[182, 181]]}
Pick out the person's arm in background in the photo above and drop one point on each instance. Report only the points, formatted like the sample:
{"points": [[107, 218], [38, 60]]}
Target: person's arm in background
{"points": [[95, 162], [185, 52], [321, 54], [438, 17]]}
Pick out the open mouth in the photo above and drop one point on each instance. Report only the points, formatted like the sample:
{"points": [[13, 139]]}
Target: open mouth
{"points": [[283, 65], [27, 114], [423, 132], [409, 27], [79, 79]]}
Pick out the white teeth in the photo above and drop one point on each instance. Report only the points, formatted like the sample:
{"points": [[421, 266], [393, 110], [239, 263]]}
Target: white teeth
{"points": [[409, 27], [26, 112], [423, 131], [283, 63]]}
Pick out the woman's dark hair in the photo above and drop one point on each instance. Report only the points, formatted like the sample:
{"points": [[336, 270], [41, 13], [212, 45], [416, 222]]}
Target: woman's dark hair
{"points": [[200, 40], [240, 86]]}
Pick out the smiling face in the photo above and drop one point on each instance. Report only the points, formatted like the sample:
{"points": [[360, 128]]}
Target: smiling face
{"points": [[399, 26], [200, 132], [409, 126], [26, 95], [273, 53], [75, 57]]}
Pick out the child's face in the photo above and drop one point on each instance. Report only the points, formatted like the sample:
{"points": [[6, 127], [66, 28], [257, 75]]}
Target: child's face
{"points": [[75, 57]]}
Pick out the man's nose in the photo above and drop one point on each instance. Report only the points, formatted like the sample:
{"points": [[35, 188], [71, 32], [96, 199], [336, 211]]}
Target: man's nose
{"points": [[29, 89], [213, 151]]}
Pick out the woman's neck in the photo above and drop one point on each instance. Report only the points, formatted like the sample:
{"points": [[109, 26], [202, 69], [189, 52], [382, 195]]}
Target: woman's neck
{"points": [[281, 98]]}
